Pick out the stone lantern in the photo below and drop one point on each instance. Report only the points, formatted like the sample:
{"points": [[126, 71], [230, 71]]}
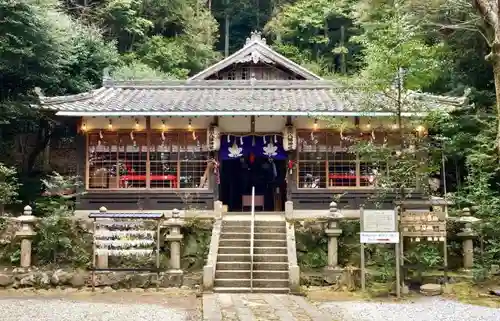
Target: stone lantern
{"points": [[26, 234], [468, 236], [175, 237], [333, 231]]}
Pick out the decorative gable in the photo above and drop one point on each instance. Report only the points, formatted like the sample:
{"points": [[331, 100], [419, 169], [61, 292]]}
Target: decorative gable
{"points": [[256, 60]]}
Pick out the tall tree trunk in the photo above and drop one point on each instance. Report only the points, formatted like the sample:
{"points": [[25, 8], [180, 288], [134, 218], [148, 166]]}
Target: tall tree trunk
{"points": [[226, 36], [495, 59], [343, 67]]}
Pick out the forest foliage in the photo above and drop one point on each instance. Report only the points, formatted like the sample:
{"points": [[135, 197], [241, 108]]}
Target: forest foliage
{"points": [[62, 47]]}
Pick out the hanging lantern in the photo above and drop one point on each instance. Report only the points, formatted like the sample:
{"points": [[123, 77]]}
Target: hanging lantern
{"points": [[251, 158], [213, 138], [289, 138]]}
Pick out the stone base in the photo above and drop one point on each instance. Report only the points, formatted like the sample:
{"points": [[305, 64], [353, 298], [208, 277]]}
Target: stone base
{"points": [[340, 278], [34, 278], [431, 289]]}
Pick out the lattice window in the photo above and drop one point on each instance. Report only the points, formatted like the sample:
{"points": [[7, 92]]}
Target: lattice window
{"points": [[193, 160], [372, 167], [102, 159], [231, 75], [245, 74], [342, 164], [164, 154], [132, 159], [312, 161]]}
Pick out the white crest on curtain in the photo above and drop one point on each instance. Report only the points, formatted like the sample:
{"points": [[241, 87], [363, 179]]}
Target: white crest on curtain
{"points": [[270, 150], [235, 151]]}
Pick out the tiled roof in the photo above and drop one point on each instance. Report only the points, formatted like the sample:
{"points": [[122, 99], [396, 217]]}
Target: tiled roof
{"points": [[221, 96]]}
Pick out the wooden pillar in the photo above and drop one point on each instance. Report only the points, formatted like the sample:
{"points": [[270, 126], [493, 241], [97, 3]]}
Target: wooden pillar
{"points": [[148, 159], [213, 183]]}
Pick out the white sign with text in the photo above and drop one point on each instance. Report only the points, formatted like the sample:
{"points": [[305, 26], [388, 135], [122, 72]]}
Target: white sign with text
{"points": [[379, 237]]}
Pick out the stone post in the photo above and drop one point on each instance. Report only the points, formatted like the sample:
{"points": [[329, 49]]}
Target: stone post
{"points": [[288, 210], [333, 232], [468, 236], [218, 210], [26, 234], [102, 260], [174, 237]]}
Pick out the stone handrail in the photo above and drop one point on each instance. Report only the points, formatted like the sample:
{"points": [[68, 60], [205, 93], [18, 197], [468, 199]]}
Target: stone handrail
{"points": [[293, 267], [209, 268]]}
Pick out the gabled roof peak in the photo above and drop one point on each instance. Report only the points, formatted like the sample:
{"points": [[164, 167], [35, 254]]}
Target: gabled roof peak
{"points": [[256, 51], [255, 36]]}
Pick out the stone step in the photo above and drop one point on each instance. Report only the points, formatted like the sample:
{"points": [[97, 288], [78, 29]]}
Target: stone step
{"points": [[233, 258], [224, 242], [273, 275], [247, 290], [234, 243], [269, 236], [234, 250], [236, 224], [269, 243], [270, 224], [247, 274], [233, 266], [270, 258], [245, 223], [270, 266], [257, 266], [257, 229], [263, 258], [256, 250], [257, 283], [270, 250], [235, 236]]}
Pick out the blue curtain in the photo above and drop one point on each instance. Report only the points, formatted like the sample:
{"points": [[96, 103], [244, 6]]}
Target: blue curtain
{"points": [[234, 147]]}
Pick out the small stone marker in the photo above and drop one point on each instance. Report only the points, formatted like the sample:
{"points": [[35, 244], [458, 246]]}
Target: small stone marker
{"points": [[431, 289]]}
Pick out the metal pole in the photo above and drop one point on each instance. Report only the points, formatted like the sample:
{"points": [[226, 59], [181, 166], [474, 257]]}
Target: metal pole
{"points": [[158, 255], [252, 228], [362, 254], [398, 271], [93, 254]]}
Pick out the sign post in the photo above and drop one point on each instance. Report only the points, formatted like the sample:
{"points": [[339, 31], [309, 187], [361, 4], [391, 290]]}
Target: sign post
{"points": [[379, 227]]}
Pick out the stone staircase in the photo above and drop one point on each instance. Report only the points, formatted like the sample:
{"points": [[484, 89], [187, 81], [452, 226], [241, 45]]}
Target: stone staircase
{"points": [[233, 265]]}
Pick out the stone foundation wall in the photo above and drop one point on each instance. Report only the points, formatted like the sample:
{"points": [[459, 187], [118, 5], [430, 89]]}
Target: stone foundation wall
{"points": [[44, 279]]}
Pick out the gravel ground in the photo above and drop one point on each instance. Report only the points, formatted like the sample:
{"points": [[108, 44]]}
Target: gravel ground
{"points": [[65, 310], [428, 309]]}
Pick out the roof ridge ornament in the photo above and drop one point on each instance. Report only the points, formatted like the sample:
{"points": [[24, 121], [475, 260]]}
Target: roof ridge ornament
{"points": [[255, 36], [106, 77], [39, 92]]}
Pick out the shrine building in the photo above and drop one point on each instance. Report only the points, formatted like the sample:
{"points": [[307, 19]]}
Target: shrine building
{"points": [[255, 118]]}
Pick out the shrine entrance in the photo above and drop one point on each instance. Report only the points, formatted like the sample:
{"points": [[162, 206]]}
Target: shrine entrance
{"points": [[248, 161]]}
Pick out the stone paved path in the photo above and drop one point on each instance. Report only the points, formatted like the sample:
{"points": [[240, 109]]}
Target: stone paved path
{"points": [[259, 307]]}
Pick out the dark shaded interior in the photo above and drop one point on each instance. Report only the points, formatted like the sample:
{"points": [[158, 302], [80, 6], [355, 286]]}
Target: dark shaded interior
{"points": [[239, 175]]}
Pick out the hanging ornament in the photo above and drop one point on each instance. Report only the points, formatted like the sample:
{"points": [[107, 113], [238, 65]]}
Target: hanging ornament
{"points": [[253, 140], [228, 138], [290, 166], [101, 136], [241, 140], [216, 170], [275, 139], [132, 135], [264, 138], [373, 134]]}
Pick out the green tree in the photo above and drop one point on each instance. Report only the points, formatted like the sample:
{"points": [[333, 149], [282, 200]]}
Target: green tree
{"points": [[397, 62]]}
